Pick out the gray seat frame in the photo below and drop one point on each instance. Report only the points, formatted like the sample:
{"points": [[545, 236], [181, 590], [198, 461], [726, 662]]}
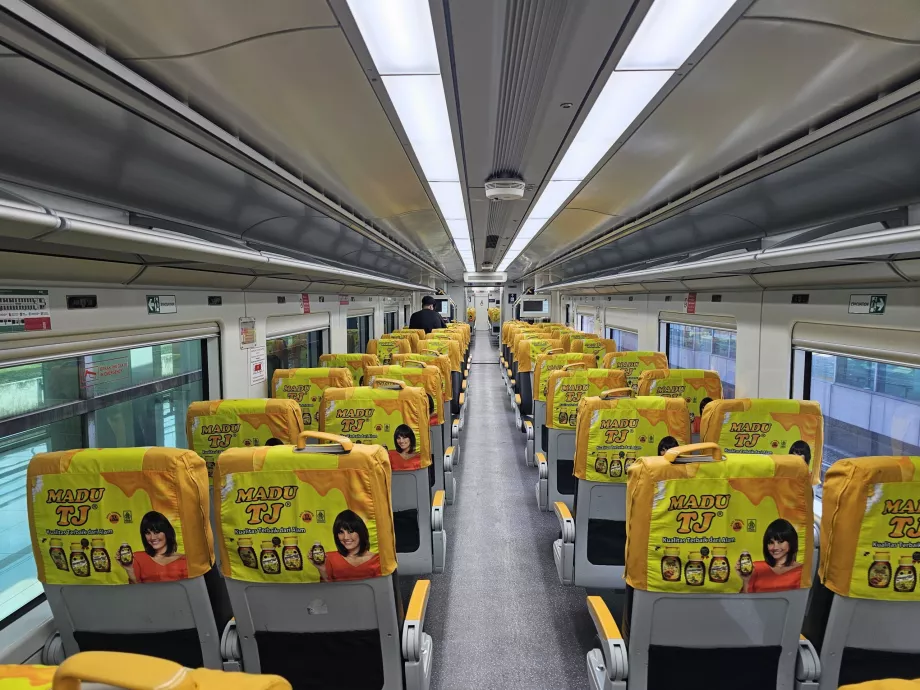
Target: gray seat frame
{"points": [[410, 491], [560, 444]]}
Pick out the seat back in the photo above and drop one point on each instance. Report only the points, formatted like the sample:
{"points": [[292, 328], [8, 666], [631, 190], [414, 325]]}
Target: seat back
{"points": [[442, 362], [553, 360], [634, 363], [104, 518], [738, 605], [567, 386], [599, 347], [355, 362], [385, 347], [306, 386], [763, 426], [212, 426], [443, 346], [528, 349], [420, 375], [412, 334], [308, 551], [697, 386], [570, 337], [868, 567]]}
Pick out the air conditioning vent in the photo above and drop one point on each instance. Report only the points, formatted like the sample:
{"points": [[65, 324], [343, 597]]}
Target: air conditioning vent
{"points": [[491, 241], [505, 189]]}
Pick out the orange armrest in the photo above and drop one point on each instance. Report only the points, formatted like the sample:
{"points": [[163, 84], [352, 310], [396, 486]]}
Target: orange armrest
{"points": [[607, 628], [418, 603]]}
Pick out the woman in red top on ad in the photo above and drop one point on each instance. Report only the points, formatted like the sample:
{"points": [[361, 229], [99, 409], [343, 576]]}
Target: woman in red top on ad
{"points": [[405, 457], [159, 561], [778, 571], [353, 559]]}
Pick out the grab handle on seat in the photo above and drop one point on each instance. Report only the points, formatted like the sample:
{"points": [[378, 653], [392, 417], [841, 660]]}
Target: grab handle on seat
{"points": [[429, 351], [131, 671], [617, 393], [555, 351], [381, 382], [711, 449], [343, 441], [416, 363], [574, 365]]}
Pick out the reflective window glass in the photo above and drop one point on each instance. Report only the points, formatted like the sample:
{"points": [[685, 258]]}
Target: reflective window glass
{"points": [[627, 341], [700, 347]]}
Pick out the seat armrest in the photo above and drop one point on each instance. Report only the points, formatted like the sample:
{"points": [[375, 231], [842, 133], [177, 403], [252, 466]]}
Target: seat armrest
{"points": [[613, 646], [566, 521], [807, 662], [510, 374], [449, 459], [517, 399], [462, 399], [415, 621], [463, 385], [528, 429], [437, 511]]}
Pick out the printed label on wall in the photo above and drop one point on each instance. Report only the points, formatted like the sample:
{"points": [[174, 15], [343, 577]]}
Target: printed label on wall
{"points": [[24, 310], [888, 550], [725, 535], [108, 528]]}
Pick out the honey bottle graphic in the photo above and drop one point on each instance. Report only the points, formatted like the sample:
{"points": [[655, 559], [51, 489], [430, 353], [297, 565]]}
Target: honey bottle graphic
{"points": [[670, 564], [290, 554], [630, 459], [695, 571], [58, 557], [745, 564], [124, 554], [271, 564], [616, 467], [247, 553], [600, 465], [880, 570], [79, 563], [318, 553], [100, 557], [905, 577], [718, 567]]}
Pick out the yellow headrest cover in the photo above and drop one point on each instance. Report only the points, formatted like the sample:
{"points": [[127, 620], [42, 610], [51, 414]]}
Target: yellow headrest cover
{"points": [[549, 362], [442, 362], [600, 347], [693, 385], [634, 363], [612, 433], [870, 528], [212, 426], [767, 426], [89, 510], [385, 348], [444, 346], [355, 362], [281, 508], [567, 387], [569, 338], [427, 377], [306, 386], [529, 348], [411, 334], [705, 527], [381, 416]]}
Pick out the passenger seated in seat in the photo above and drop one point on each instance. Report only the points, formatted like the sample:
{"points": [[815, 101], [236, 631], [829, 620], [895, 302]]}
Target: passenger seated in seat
{"points": [[405, 452], [353, 559], [159, 561], [779, 570], [803, 449], [666, 444]]}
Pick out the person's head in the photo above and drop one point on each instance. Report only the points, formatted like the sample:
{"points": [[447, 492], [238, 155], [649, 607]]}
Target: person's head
{"points": [[803, 449], [431, 407], [157, 535], [404, 438], [703, 403], [666, 444], [428, 302], [780, 543], [350, 533], [274, 442]]}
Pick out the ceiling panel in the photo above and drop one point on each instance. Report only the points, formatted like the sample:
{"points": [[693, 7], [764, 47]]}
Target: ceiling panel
{"points": [[140, 28], [761, 82], [885, 18]]}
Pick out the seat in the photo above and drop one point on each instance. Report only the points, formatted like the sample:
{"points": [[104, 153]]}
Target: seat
{"points": [[412, 334], [120, 513], [749, 425], [385, 347], [318, 605], [424, 375], [696, 522], [451, 429], [527, 351], [526, 333], [212, 426], [634, 363], [599, 347], [353, 361], [451, 348], [697, 386], [461, 339], [384, 415], [572, 336], [612, 430], [565, 389], [306, 386], [863, 615], [547, 362]]}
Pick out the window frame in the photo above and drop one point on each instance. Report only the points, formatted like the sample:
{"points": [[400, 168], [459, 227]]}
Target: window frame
{"points": [[369, 335], [610, 331], [711, 323]]}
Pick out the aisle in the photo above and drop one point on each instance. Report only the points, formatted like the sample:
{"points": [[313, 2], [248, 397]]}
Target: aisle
{"points": [[498, 616]]}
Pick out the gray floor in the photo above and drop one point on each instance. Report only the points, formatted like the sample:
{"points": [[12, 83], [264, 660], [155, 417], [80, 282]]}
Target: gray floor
{"points": [[498, 616]]}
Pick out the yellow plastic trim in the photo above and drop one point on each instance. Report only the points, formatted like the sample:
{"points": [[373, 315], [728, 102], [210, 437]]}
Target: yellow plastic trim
{"points": [[463, 386], [418, 601], [381, 382], [616, 393], [603, 620], [462, 398], [438, 500], [449, 451], [131, 671], [517, 399], [562, 510], [343, 441], [510, 373], [513, 382], [539, 457]]}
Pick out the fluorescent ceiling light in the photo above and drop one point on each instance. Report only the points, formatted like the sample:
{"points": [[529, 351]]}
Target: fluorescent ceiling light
{"points": [[670, 32], [668, 35], [398, 35]]}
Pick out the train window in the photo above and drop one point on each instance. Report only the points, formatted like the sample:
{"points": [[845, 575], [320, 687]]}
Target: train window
{"points": [[300, 350], [130, 397], [359, 333], [627, 341], [702, 347], [870, 407], [389, 321], [586, 323]]}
